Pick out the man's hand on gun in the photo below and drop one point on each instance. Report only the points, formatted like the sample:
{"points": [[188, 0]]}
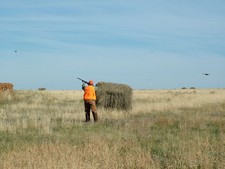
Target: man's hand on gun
{"points": [[83, 86]]}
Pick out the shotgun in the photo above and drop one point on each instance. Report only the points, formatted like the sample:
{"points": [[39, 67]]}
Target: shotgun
{"points": [[83, 80]]}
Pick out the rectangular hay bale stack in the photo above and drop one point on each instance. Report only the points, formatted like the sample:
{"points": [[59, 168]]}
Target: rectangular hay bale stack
{"points": [[6, 87], [114, 96]]}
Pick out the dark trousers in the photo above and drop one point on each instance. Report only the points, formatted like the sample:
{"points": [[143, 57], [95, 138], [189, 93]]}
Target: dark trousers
{"points": [[89, 106]]}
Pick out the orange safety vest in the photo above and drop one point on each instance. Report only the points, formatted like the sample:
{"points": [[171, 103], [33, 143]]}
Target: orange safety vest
{"points": [[89, 93]]}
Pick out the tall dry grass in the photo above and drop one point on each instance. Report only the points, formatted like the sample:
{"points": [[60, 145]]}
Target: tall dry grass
{"points": [[165, 129], [41, 110]]}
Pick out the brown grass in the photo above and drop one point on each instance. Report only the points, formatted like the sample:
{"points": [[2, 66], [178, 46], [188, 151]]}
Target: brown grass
{"points": [[165, 129]]}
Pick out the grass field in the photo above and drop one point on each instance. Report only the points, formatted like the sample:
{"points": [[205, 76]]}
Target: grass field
{"points": [[165, 129]]}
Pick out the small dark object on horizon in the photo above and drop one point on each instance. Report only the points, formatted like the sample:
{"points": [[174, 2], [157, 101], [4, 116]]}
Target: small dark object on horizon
{"points": [[41, 89]]}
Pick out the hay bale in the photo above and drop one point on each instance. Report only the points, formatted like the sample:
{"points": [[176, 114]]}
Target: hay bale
{"points": [[6, 87], [114, 96]]}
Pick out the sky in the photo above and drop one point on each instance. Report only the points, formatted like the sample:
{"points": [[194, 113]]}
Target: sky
{"points": [[146, 44]]}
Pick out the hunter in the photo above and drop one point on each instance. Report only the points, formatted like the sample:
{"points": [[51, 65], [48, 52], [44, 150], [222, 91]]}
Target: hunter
{"points": [[90, 101]]}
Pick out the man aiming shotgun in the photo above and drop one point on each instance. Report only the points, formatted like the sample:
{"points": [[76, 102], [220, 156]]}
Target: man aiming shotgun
{"points": [[89, 98]]}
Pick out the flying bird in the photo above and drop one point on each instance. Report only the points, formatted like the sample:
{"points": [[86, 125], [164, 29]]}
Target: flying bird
{"points": [[15, 51], [206, 74]]}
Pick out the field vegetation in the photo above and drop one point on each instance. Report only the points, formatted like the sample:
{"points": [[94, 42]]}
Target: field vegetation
{"points": [[165, 129]]}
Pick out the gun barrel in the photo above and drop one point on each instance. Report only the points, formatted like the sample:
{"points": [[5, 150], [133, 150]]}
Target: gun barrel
{"points": [[83, 80]]}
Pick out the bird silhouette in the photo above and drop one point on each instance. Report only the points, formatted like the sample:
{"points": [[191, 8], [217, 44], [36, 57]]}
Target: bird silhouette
{"points": [[206, 74]]}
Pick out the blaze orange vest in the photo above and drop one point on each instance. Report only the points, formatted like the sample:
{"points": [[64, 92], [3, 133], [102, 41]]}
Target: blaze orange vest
{"points": [[89, 93]]}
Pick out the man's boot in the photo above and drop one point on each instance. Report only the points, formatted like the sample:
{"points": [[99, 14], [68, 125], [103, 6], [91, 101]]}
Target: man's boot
{"points": [[95, 115]]}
